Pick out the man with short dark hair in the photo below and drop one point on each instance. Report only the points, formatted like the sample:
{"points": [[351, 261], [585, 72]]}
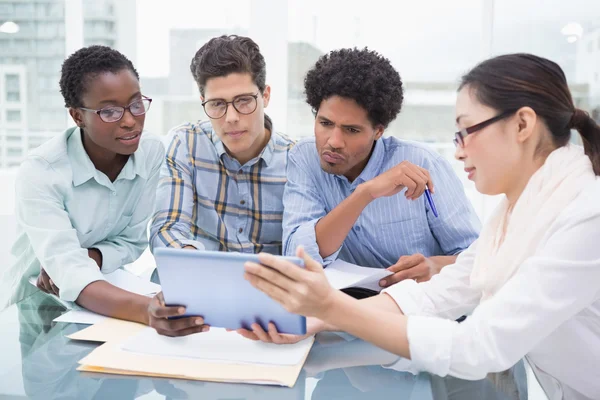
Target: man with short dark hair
{"points": [[222, 184]]}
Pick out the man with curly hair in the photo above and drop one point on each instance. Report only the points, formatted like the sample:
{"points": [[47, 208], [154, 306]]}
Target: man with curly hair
{"points": [[356, 196]]}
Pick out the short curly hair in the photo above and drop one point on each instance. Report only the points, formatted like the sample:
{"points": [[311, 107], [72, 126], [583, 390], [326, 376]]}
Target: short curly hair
{"points": [[86, 63], [227, 54], [362, 75]]}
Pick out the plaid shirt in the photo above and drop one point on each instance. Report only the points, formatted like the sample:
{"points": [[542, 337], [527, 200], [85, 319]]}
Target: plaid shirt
{"points": [[208, 200]]}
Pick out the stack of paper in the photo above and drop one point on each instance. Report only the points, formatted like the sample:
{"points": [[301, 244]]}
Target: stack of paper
{"points": [[216, 345], [342, 275], [134, 349]]}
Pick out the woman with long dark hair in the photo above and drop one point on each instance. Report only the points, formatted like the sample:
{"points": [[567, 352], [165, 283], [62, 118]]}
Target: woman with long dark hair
{"points": [[531, 282]]}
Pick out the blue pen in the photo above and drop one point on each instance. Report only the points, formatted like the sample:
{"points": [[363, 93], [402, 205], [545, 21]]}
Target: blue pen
{"points": [[430, 201]]}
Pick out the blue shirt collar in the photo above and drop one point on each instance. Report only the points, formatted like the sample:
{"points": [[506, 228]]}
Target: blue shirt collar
{"points": [[373, 167]]}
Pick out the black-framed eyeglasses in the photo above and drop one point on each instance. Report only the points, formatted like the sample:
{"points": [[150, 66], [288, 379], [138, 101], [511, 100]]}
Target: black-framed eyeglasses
{"points": [[243, 104], [115, 113], [459, 137]]}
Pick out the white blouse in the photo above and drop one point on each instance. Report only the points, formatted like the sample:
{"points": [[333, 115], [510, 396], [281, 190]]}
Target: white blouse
{"points": [[549, 311]]}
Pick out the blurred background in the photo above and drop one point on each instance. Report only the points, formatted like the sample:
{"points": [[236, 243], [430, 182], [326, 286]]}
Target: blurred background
{"points": [[430, 42]]}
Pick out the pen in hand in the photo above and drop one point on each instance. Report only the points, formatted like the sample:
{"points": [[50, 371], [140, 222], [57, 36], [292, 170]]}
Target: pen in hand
{"points": [[430, 201]]}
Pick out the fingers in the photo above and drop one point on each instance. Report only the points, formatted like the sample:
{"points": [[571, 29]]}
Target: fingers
{"points": [[416, 183], [279, 338], [407, 267], [309, 263], [183, 332], [406, 262], [271, 290], [177, 327], [402, 275], [42, 285], [43, 282], [287, 268], [161, 298], [430, 185], [409, 181], [416, 179], [261, 334], [269, 274], [247, 334], [54, 288], [158, 309]]}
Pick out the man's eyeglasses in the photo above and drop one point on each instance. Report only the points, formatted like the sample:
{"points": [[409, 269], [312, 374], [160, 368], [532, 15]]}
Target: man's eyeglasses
{"points": [[243, 104], [459, 137], [115, 113]]}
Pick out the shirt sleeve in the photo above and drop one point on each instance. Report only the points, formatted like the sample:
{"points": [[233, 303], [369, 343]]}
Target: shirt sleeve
{"points": [[457, 224], [172, 222], [446, 295], [41, 213], [129, 244], [549, 288], [304, 207]]}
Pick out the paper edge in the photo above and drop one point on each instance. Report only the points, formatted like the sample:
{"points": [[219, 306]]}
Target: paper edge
{"points": [[295, 370]]}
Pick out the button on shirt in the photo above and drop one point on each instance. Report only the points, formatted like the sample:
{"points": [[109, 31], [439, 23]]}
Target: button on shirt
{"points": [[208, 200], [65, 206], [389, 227]]}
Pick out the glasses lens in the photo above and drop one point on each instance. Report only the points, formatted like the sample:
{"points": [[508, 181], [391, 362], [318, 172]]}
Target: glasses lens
{"points": [[111, 114], [458, 139], [215, 108], [245, 104], [139, 107]]}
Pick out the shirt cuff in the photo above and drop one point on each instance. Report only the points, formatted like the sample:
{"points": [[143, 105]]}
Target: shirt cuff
{"points": [[430, 343], [403, 365], [408, 296], [306, 236], [187, 242], [112, 259], [75, 282]]}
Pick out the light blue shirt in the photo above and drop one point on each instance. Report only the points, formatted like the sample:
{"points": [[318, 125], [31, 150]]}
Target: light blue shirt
{"points": [[65, 206], [389, 227]]}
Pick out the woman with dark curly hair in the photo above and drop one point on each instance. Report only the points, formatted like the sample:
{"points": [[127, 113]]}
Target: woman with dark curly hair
{"points": [[342, 199]]}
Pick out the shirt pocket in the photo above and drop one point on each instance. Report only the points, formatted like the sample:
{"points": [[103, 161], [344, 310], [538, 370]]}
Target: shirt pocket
{"points": [[398, 237], [121, 224]]}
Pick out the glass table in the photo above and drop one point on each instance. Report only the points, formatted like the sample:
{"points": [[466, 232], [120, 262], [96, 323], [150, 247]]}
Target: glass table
{"points": [[39, 362]]}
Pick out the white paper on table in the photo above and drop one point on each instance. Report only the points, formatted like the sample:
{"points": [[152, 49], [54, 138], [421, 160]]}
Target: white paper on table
{"points": [[342, 274], [217, 345], [132, 283], [80, 317]]}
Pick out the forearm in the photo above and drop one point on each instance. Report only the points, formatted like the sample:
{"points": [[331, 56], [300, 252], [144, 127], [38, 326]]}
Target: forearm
{"points": [[440, 262], [382, 302], [382, 327], [331, 230], [103, 298]]}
